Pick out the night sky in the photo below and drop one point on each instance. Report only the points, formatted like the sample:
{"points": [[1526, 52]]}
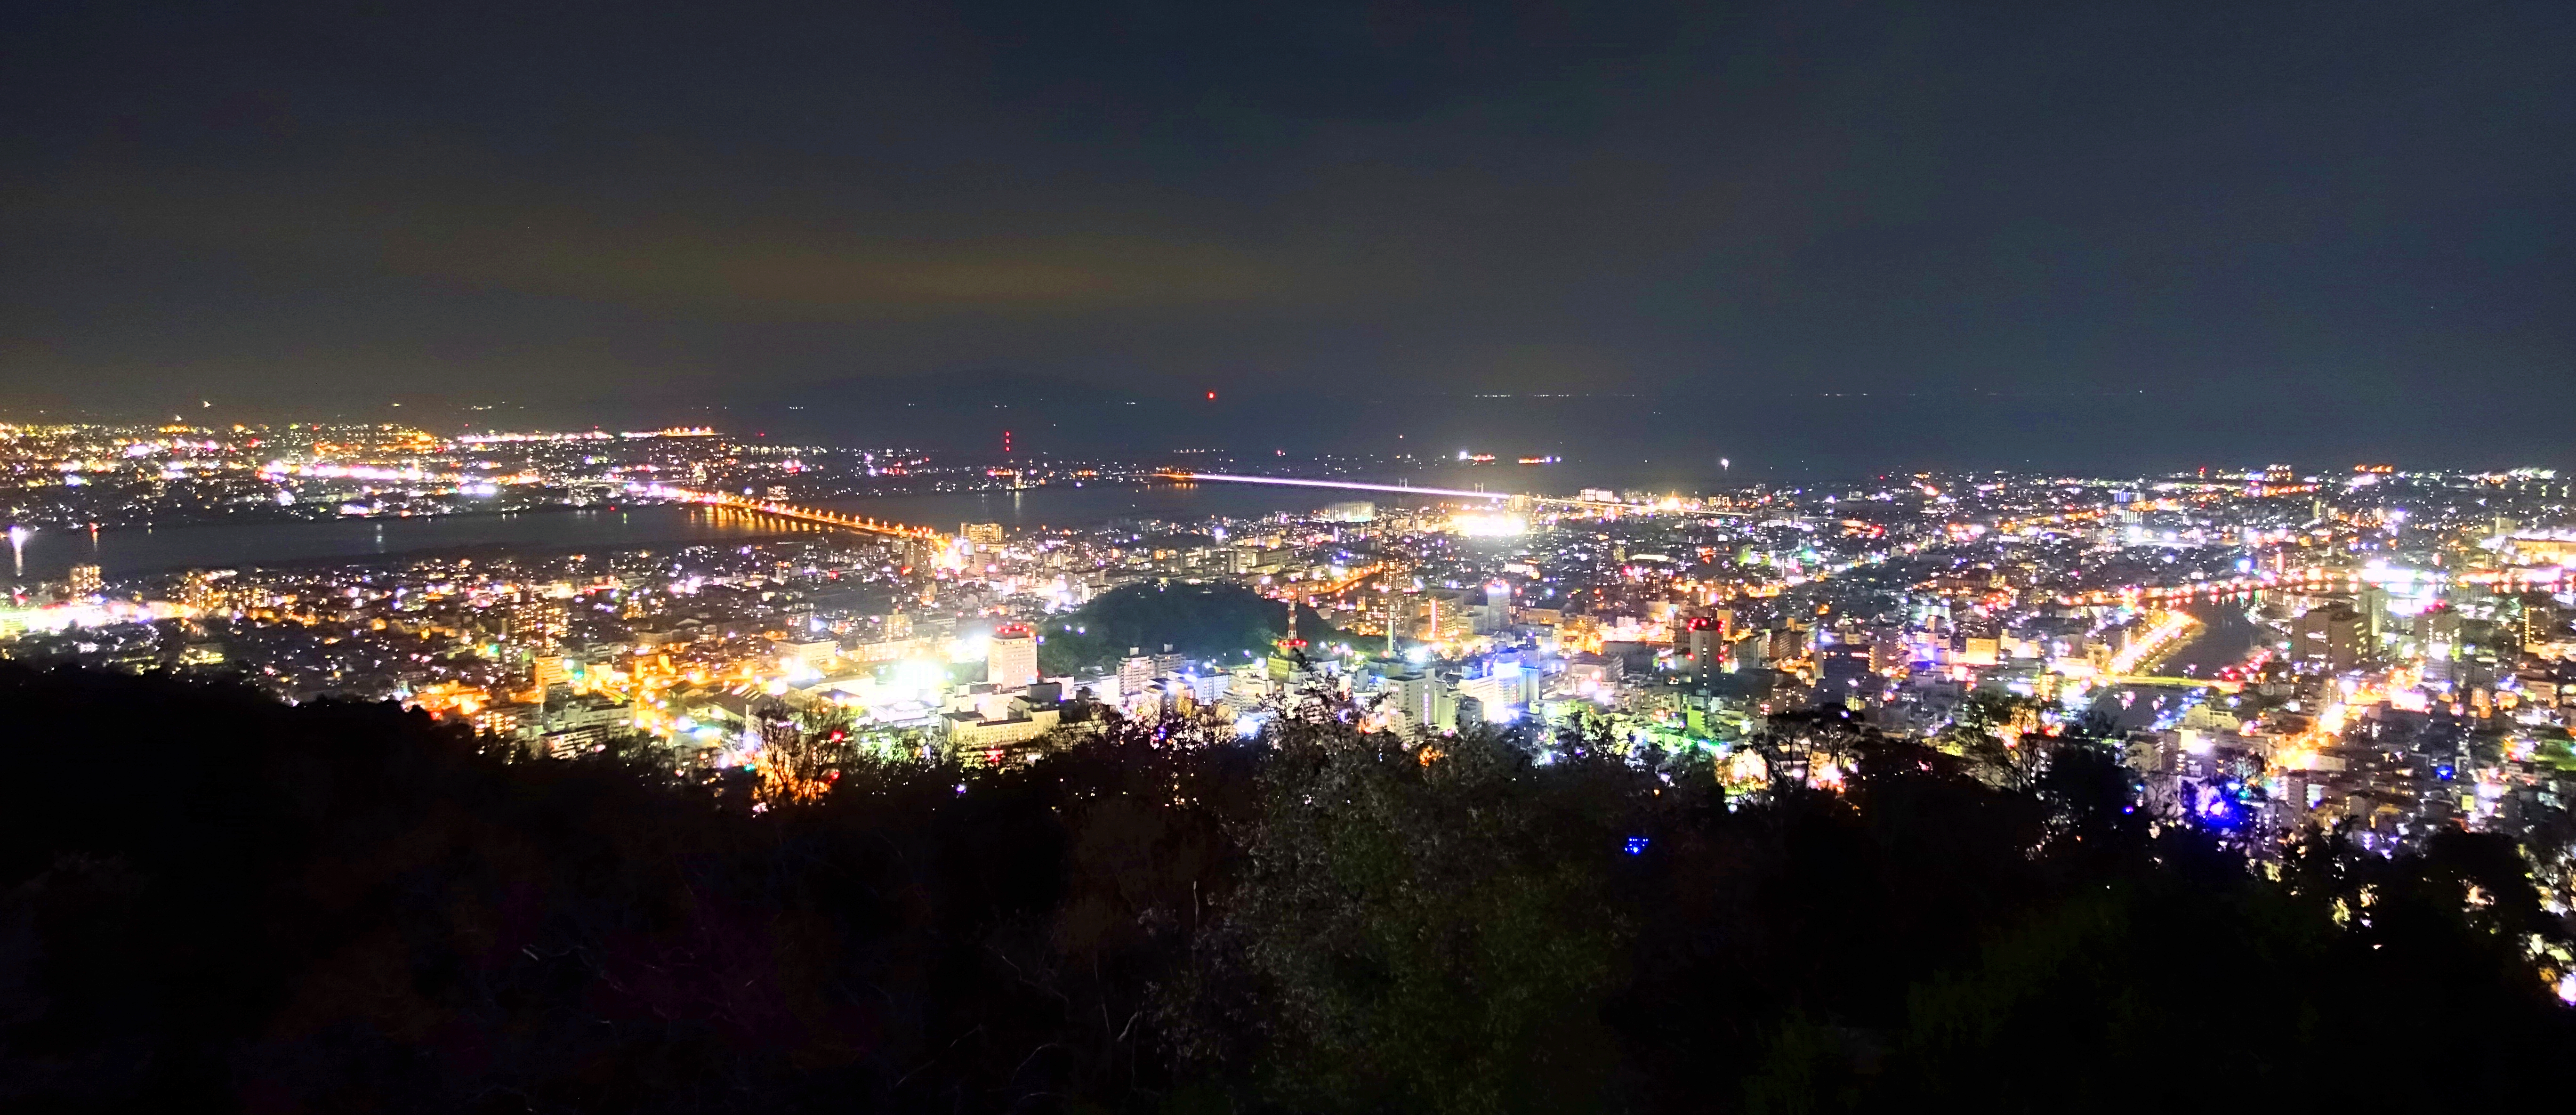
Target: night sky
{"points": [[1811, 235]]}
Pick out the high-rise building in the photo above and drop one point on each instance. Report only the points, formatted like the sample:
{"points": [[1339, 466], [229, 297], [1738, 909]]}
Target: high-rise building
{"points": [[1843, 676], [534, 621], [1788, 644], [1011, 660], [202, 590], [1133, 672], [1887, 650], [1501, 690], [981, 534], [2328, 636], [1495, 612], [1422, 700], [2536, 620], [1704, 637], [84, 581], [1445, 617]]}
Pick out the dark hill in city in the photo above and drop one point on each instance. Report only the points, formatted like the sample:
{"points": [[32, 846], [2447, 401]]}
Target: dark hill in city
{"points": [[1204, 621], [212, 902]]}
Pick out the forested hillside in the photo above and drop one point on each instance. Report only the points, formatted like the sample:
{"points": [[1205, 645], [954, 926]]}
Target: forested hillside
{"points": [[217, 903]]}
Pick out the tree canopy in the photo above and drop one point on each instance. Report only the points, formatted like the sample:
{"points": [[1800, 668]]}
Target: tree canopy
{"points": [[340, 907], [1204, 621]]}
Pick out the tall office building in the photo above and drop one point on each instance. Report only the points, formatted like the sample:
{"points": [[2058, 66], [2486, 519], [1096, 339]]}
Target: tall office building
{"points": [[84, 581], [1704, 638], [1427, 705], [1011, 661], [2328, 636]]}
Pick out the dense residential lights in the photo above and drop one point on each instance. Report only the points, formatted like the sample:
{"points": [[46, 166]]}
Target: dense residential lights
{"points": [[2245, 660]]}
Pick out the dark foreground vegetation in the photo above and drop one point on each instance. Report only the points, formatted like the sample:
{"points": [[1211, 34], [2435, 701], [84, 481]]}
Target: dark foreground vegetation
{"points": [[216, 903]]}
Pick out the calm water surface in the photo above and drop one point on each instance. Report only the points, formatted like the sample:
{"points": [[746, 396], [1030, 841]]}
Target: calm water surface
{"points": [[2225, 638], [136, 550], [46, 554]]}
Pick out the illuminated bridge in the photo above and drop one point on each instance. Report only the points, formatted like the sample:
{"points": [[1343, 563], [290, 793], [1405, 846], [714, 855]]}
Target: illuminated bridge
{"points": [[813, 515], [2222, 685], [1405, 489], [2310, 581]]}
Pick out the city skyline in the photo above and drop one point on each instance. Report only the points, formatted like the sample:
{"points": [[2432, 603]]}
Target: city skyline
{"points": [[1287, 558]]}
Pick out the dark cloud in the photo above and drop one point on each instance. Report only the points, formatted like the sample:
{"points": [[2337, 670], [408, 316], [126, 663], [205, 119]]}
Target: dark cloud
{"points": [[2256, 214], [756, 266]]}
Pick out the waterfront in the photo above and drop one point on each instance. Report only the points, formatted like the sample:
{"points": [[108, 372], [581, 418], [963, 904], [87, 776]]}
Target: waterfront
{"points": [[1064, 506], [2227, 635], [47, 554]]}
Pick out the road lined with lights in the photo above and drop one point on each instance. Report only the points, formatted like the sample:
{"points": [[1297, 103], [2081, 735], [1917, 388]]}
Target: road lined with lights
{"points": [[1346, 485], [805, 514], [1357, 486]]}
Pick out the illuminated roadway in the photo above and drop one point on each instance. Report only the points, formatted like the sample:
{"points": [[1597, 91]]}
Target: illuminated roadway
{"points": [[1355, 486], [813, 515], [2220, 684], [2234, 586]]}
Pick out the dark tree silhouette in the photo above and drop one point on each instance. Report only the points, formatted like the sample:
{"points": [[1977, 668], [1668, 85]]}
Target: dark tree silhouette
{"points": [[341, 907]]}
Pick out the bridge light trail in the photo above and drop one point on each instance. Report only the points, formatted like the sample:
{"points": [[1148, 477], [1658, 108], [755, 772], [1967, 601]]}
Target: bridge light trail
{"points": [[1343, 484]]}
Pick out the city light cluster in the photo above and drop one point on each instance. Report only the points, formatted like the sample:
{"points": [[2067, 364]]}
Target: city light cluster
{"points": [[2393, 657]]}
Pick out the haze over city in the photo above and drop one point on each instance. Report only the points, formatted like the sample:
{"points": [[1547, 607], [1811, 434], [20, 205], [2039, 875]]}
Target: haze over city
{"points": [[1948, 236]]}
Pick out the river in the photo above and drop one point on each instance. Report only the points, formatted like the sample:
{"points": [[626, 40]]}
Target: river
{"points": [[2225, 638]]}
